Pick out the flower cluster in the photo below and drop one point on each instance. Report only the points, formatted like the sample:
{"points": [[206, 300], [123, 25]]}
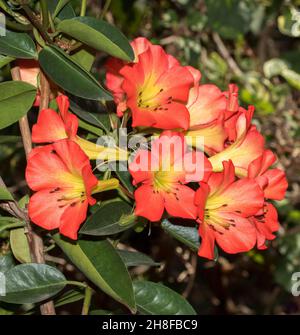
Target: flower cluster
{"points": [[221, 177], [208, 162], [60, 172]]}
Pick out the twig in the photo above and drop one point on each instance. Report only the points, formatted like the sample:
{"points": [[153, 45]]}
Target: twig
{"points": [[105, 9], [35, 241], [36, 23], [83, 7], [87, 301], [226, 54]]}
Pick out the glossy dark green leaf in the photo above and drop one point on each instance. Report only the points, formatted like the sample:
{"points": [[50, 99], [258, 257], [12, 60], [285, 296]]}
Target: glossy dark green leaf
{"points": [[18, 45], [5, 194], [101, 264], [187, 235], [31, 283], [99, 35], [7, 262], [16, 98], [63, 12], [69, 75], [157, 299], [19, 245], [125, 178], [99, 119], [111, 218], [134, 258]]}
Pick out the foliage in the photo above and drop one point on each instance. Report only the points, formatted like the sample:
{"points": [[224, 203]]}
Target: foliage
{"points": [[253, 43]]}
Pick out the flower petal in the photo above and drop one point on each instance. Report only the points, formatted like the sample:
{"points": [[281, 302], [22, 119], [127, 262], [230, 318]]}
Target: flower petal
{"points": [[238, 238], [72, 218], [208, 106], [207, 245], [44, 210], [45, 169], [181, 204], [148, 203], [49, 127]]}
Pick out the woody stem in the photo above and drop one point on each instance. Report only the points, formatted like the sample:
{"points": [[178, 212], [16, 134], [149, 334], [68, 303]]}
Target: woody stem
{"points": [[35, 241]]}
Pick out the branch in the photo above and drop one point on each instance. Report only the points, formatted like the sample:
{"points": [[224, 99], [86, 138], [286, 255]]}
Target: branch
{"points": [[35, 241], [226, 54]]}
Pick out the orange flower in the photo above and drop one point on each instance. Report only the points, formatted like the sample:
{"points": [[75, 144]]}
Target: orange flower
{"points": [[62, 177]]}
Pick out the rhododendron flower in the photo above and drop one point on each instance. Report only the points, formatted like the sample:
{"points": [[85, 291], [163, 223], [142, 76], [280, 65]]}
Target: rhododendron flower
{"points": [[154, 94], [29, 71], [114, 79], [244, 145], [207, 107], [266, 223], [62, 177], [52, 126], [274, 184], [150, 88], [226, 207], [161, 176]]}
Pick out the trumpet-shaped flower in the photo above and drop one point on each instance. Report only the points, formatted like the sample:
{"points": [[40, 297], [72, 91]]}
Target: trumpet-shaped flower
{"points": [[245, 143], [161, 176], [61, 175], [225, 208], [52, 126], [154, 94]]}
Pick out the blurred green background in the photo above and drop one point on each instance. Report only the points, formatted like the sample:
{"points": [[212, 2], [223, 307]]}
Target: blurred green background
{"points": [[255, 44]]}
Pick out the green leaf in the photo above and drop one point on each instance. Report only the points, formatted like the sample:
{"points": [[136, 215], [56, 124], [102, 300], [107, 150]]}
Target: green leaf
{"points": [[90, 128], [4, 60], [111, 218], [187, 235], [6, 220], [16, 98], [100, 119], [99, 35], [274, 67], [84, 57], [292, 77], [289, 22], [19, 245], [229, 18], [69, 297], [18, 45], [69, 75], [5, 194], [156, 299], [60, 5], [31, 283], [66, 12], [101, 264], [6, 262], [125, 178], [134, 258]]}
